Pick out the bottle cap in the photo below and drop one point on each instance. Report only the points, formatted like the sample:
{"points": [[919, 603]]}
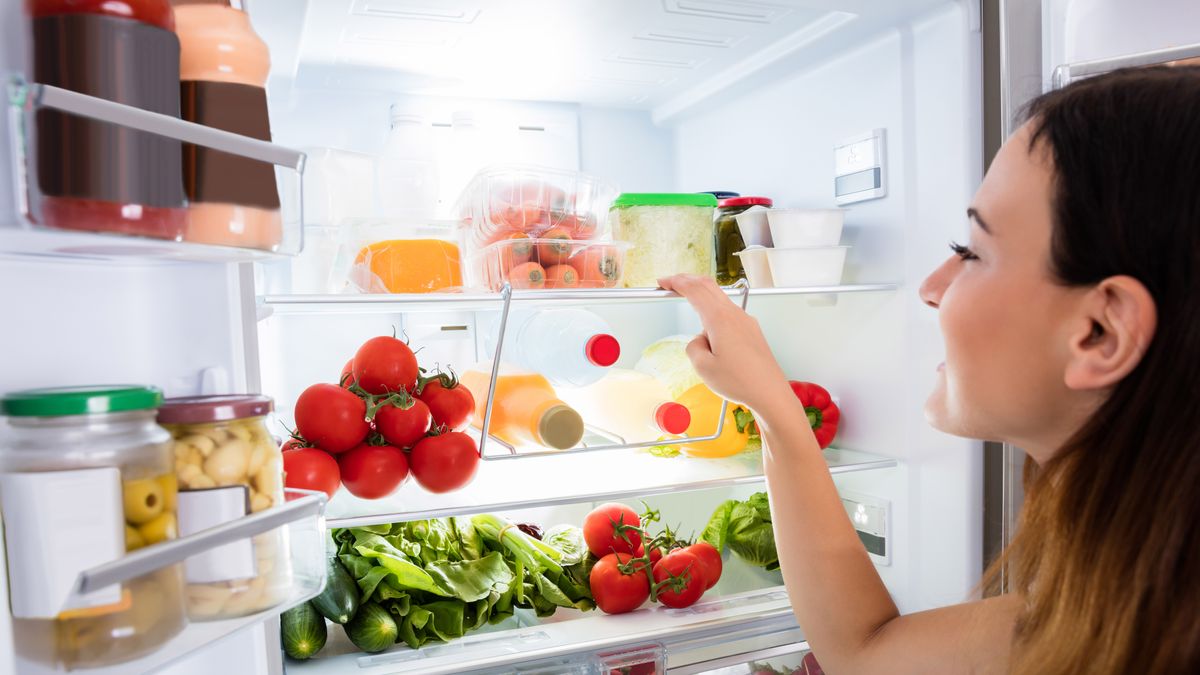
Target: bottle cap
{"points": [[602, 350], [560, 427], [673, 418]]}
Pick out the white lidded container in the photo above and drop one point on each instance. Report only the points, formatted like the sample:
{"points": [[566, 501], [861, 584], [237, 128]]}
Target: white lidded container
{"points": [[805, 227], [807, 266], [757, 267], [752, 223]]}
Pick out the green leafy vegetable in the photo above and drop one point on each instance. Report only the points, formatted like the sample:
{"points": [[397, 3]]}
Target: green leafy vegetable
{"points": [[745, 527], [568, 540]]}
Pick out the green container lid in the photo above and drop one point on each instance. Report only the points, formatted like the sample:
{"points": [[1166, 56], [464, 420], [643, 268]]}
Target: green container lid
{"points": [[665, 199], [59, 401]]}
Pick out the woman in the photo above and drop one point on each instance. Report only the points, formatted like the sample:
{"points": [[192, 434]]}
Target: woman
{"points": [[1071, 323]]}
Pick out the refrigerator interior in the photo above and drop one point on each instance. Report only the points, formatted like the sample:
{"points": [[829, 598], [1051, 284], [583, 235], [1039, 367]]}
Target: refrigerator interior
{"points": [[760, 115]]}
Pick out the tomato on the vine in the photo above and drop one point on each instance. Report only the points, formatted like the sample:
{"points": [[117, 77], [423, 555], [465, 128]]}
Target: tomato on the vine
{"points": [[346, 379], [311, 469], [686, 577], [403, 427], [373, 471], [710, 561], [445, 462], [656, 553], [614, 591], [331, 418], [600, 530], [384, 365], [451, 406]]}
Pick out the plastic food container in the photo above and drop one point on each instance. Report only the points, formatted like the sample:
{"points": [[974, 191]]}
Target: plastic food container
{"points": [[85, 476], [228, 467], [671, 233], [502, 200], [388, 256], [728, 238], [752, 223], [811, 266], [757, 267], [550, 263], [806, 227]]}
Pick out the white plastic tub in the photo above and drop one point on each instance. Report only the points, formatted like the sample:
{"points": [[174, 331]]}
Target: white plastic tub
{"points": [[806, 266], [752, 223], [758, 269], [791, 228]]}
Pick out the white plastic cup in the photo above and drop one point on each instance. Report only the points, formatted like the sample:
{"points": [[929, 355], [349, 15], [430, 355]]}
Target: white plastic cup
{"points": [[791, 228], [806, 266], [753, 225], [758, 269]]}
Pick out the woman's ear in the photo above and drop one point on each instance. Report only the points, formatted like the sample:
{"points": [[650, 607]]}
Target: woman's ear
{"points": [[1117, 323]]}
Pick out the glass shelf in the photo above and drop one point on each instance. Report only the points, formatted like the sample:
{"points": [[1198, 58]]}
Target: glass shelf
{"points": [[570, 633], [440, 302], [610, 476]]}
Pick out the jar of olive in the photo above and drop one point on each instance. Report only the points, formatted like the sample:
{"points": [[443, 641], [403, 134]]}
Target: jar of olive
{"points": [[228, 467], [728, 238], [86, 476]]}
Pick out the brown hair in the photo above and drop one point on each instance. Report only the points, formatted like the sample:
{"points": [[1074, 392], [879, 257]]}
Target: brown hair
{"points": [[1107, 552]]}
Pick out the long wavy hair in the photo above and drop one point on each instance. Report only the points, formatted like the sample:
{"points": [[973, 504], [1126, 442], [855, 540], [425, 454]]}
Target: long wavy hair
{"points": [[1107, 550]]}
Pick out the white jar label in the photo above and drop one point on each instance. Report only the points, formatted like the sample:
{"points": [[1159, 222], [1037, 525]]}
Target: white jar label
{"points": [[56, 525], [202, 509]]}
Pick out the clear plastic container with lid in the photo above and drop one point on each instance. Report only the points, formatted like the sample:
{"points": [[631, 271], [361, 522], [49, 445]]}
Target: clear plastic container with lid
{"points": [[727, 237], [228, 466], [671, 233], [85, 476]]}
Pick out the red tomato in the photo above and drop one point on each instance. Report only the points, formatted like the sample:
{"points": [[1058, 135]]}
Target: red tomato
{"points": [[599, 530], [656, 553], [294, 444], [346, 379], [710, 561], [598, 266], [384, 364], [373, 471], [529, 275], [331, 418], [452, 408], [614, 591], [446, 462], [554, 246], [311, 469], [400, 427], [685, 566], [562, 276]]}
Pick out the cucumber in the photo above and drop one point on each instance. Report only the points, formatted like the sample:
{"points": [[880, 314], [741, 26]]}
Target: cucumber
{"points": [[339, 601], [302, 631], [372, 629]]}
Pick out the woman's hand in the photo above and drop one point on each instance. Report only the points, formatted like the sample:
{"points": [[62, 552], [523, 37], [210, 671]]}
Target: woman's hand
{"points": [[730, 354]]}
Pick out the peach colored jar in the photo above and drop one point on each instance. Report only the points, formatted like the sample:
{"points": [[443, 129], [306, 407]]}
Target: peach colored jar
{"points": [[223, 73]]}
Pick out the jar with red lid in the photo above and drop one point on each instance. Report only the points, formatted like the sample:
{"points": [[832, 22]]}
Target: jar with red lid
{"points": [[228, 466], [92, 175], [728, 238]]}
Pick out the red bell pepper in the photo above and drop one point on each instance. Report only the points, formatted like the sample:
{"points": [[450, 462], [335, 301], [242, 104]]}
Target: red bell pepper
{"points": [[823, 413]]}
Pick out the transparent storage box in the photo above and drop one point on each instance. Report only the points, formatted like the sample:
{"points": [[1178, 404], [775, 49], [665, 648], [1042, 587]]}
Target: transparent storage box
{"points": [[388, 256], [537, 263], [506, 199]]}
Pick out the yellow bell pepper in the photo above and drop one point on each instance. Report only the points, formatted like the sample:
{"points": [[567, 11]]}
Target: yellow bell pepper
{"points": [[705, 407]]}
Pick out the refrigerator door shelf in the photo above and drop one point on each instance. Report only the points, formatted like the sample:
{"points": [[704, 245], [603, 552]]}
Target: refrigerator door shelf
{"points": [[299, 523], [612, 476], [231, 232], [595, 636]]}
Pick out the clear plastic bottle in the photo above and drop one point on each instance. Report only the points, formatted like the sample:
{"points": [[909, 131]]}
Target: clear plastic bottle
{"points": [[406, 180], [525, 410], [570, 347], [633, 405]]}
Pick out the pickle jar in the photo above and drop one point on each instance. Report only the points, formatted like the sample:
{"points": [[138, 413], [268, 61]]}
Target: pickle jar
{"points": [[86, 476], [727, 237], [228, 467]]}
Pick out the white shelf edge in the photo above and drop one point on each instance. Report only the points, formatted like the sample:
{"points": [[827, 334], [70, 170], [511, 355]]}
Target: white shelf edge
{"points": [[859, 461]]}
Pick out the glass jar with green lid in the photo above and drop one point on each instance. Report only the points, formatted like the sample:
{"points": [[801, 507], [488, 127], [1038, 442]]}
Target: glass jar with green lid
{"points": [[671, 233], [727, 237], [85, 477]]}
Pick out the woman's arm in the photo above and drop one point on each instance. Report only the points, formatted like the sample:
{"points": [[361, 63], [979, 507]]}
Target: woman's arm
{"points": [[838, 598]]}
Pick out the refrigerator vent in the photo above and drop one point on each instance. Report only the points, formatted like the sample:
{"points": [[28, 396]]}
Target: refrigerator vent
{"points": [[694, 39], [659, 61], [729, 10], [420, 11]]}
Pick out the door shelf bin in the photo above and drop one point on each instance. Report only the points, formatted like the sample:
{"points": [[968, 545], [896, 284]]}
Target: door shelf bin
{"points": [[298, 524], [233, 234]]}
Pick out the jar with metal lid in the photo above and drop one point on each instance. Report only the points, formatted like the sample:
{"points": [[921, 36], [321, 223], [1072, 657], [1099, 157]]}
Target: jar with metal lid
{"points": [[228, 467], [671, 233], [727, 238], [85, 476]]}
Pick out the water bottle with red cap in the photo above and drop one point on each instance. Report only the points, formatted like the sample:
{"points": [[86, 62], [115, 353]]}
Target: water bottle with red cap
{"points": [[569, 347], [632, 405]]}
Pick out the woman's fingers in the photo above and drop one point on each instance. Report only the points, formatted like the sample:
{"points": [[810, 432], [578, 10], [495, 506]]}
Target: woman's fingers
{"points": [[702, 293]]}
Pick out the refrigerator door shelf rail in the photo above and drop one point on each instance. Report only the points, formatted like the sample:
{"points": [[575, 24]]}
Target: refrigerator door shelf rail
{"points": [[25, 99], [614, 476], [1070, 72], [440, 302]]}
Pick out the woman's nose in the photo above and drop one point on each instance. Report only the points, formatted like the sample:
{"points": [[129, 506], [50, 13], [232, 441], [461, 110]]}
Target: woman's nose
{"points": [[935, 284]]}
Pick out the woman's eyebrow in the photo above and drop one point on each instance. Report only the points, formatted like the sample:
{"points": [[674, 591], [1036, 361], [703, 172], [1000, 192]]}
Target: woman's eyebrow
{"points": [[974, 215]]}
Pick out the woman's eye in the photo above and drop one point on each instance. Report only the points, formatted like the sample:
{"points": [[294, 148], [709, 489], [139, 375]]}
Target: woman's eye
{"points": [[963, 252]]}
